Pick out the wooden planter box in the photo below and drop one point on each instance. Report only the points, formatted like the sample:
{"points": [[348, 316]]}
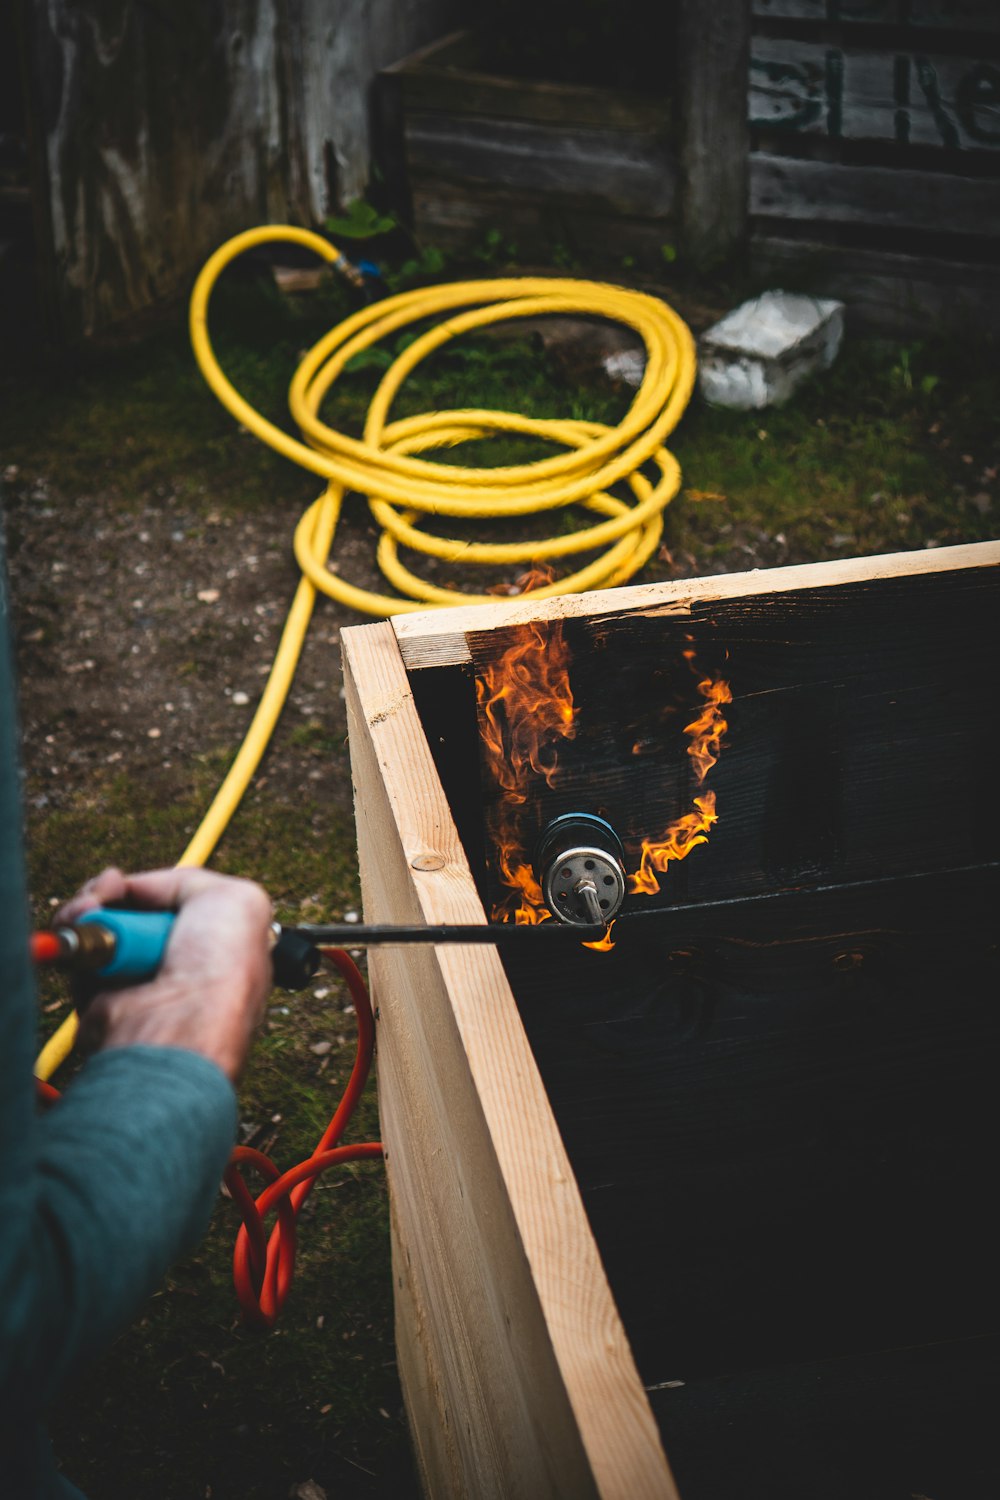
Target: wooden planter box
{"points": [[546, 164], [715, 1207]]}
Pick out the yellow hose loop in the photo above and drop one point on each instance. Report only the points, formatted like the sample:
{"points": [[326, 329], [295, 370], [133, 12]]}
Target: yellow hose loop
{"points": [[381, 466], [321, 526], [401, 486]]}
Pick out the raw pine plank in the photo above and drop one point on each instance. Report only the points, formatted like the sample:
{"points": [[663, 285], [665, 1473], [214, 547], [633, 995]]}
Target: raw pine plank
{"points": [[517, 1374], [435, 638]]}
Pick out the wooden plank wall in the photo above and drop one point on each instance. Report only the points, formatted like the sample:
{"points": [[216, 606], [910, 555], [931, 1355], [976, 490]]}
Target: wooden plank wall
{"points": [[161, 130], [875, 153], [547, 164]]}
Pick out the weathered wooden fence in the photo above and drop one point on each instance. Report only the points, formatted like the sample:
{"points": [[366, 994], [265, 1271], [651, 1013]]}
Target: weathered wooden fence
{"points": [[158, 130], [875, 153], [853, 144]]}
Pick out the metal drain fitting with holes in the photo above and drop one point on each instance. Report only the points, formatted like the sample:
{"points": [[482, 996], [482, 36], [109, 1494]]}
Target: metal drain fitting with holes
{"points": [[581, 866]]}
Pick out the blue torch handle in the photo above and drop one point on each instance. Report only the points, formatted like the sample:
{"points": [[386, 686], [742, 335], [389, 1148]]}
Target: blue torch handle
{"points": [[140, 941]]}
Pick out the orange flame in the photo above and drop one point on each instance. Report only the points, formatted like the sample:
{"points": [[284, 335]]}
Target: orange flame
{"points": [[536, 577], [682, 835], [690, 830], [525, 708], [606, 943], [708, 728]]}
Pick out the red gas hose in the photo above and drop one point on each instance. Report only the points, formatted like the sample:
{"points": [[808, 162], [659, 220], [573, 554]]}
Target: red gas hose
{"points": [[263, 1265]]}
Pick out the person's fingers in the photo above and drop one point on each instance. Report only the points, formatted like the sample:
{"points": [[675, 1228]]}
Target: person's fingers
{"points": [[168, 890], [103, 889], [210, 990]]}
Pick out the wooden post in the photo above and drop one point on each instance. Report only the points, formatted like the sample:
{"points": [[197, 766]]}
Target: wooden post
{"points": [[516, 1371], [712, 60]]}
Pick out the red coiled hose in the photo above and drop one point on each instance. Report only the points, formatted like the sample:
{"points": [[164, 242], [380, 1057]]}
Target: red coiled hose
{"points": [[263, 1265]]}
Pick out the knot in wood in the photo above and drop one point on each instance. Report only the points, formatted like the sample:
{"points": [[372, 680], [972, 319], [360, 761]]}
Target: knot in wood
{"points": [[428, 862]]}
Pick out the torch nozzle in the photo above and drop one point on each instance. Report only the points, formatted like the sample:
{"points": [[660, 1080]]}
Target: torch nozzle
{"points": [[586, 894], [581, 869]]}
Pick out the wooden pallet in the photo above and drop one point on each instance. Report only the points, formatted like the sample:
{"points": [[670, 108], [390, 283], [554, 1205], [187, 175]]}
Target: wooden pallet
{"points": [[716, 1205]]}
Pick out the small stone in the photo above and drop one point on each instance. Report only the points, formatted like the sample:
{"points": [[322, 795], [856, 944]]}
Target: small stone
{"points": [[626, 365], [351, 916], [153, 734], [208, 596], [240, 699], [320, 1049], [761, 352], [308, 1490]]}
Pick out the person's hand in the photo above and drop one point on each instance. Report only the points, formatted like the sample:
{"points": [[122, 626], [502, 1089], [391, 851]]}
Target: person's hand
{"points": [[209, 993]]}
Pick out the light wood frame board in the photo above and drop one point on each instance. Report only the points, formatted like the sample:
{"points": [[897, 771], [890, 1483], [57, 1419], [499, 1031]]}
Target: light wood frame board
{"points": [[516, 1370]]}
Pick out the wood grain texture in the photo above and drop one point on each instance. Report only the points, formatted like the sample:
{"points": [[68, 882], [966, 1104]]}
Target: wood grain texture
{"points": [[886, 294], [452, 77], [627, 171], [848, 736], [438, 637], [915, 98], [713, 45], [790, 188], [940, 15], [165, 129], [776, 1091], [459, 214], [517, 1374]]}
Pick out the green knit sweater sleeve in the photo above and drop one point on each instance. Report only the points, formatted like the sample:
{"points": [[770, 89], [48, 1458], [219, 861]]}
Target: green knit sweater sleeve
{"points": [[101, 1192]]}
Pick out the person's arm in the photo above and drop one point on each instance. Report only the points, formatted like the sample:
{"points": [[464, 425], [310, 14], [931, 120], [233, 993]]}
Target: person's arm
{"points": [[122, 1172]]}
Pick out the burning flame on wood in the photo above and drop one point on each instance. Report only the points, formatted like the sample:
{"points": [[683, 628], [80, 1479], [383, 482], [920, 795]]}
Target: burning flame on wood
{"points": [[525, 708], [690, 830]]}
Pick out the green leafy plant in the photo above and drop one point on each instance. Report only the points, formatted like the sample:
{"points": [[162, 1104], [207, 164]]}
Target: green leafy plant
{"points": [[361, 221], [904, 375], [563, 257], [493, 251], [430, 261]]}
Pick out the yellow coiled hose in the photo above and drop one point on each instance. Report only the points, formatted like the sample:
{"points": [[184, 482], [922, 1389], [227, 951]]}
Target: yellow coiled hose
{"points": [[402, 488]]}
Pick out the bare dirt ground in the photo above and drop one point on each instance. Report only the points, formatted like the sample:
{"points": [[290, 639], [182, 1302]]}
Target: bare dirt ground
{"points": [[150, 557]]}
